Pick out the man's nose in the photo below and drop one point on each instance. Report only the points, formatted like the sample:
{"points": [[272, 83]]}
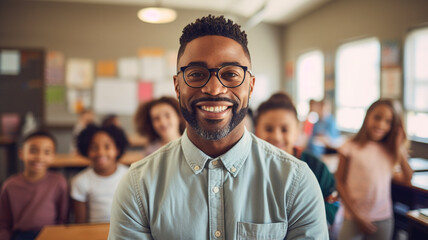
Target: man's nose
{"points": [[214, 86]]}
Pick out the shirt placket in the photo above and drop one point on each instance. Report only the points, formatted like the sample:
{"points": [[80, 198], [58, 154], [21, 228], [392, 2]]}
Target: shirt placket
{"points": [[215, 199]]}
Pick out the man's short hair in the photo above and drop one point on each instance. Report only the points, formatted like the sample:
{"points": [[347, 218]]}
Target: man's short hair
{"points": [[211, 25]]}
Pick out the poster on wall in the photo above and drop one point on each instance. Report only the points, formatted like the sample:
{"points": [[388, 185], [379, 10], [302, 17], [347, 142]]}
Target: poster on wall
{"points": [[152, 64], [115, 97], [390, 54], [10, 62], [145, 91], [55, 68], [78, 100], [391, 82], [162, 89], [55, 94], [128, 68], [106, 68], [80, 73]]}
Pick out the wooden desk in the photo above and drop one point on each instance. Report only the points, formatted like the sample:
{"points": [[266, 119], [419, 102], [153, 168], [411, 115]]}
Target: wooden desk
{"points": [[418, 225], [75, 232], [75, 160], [408, 197]]}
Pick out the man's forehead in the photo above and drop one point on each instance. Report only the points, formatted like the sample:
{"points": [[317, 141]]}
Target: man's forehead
{"points": [[202, 48]]}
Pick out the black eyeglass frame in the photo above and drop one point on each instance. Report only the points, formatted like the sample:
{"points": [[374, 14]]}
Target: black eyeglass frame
{"points": [[216, 70]]}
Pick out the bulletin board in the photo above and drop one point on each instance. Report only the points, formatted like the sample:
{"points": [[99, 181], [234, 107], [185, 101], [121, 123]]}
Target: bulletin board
{"points": [[22, 83]]}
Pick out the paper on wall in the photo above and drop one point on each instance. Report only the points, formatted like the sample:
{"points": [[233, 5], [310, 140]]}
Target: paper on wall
{"points": [[112, 96], [164, 88], [54, 68], [145, 91], [78, 100], [128, 68], [9, 62], [106, 68], [153, 68], [80, 73]]}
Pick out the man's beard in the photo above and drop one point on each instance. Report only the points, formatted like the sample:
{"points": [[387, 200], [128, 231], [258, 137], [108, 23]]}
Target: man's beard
{"points": [[215, 134]]}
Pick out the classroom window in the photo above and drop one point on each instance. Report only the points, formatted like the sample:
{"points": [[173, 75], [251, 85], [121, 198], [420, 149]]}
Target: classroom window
{"points": [[416, 84], [357, 81], [310, 80]]}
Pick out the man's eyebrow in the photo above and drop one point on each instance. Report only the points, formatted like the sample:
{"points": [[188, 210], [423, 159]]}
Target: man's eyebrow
{"points": [[204, 64], [198, 64], [230, 63]]}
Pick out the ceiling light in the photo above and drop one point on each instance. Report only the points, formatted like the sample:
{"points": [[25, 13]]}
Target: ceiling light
{"points": [[157, 15]]}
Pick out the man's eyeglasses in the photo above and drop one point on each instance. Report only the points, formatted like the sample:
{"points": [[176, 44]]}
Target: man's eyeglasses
{"points": [[230, 76]]}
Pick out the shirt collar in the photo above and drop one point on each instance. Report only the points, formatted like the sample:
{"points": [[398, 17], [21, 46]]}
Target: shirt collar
{"points": [[233, 160]]}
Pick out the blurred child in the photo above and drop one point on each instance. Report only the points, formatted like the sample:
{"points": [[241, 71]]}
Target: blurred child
{"points": [[366, 167], [93, 188], [277, 123], [325, 136], [111, 119], [35, 198], [160, 120]]}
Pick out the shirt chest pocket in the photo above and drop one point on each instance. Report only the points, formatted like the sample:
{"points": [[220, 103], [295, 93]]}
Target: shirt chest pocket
{"points": [[267, 231]]}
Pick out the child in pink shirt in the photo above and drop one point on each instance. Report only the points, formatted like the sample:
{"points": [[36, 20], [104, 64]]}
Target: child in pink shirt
{"points": [[366, 167], [35, 198]]}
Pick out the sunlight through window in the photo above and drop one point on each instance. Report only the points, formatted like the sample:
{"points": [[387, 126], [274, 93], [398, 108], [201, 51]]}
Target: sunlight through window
{"points": [[357, 81], [310, 80], [416, 84]]}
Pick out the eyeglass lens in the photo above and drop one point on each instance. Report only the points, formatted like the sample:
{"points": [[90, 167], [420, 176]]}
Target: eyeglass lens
{"points": [[230, 76]]}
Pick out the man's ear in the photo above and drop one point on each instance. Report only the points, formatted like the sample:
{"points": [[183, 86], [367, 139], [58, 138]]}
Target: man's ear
{"points": [[176, 86], [252, 82]]}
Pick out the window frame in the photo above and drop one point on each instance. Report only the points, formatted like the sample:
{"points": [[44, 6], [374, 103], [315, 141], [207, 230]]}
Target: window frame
{"points": [[302, 104], [340, 107], [410, 83]]}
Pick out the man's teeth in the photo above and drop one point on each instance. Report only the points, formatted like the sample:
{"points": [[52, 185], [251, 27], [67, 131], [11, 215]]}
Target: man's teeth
{"points": [[214, 109]]}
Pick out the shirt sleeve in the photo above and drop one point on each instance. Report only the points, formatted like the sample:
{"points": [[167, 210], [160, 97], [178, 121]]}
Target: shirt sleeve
{"points": [[5, 215], [128, 219], [79, 189], [307, 219]]}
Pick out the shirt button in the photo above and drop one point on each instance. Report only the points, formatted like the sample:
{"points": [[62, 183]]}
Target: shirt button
{"points": [[214, 162], [196, 168], [233, 169], [217, 233], [215, 189]]}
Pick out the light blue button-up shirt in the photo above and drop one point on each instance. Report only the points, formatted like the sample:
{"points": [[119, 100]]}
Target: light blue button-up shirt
{"points": [[253, 191]]}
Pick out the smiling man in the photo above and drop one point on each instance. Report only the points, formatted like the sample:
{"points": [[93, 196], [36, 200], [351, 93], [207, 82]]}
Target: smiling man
{"points": [[218, 181]]}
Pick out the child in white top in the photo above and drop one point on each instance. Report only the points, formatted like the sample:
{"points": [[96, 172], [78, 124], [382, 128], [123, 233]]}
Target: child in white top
{"points": [[92, 189], [366, 167]]}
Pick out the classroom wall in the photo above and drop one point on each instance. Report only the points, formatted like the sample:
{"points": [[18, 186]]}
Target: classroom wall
{"points": [[341, 21], [101, 32]]}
